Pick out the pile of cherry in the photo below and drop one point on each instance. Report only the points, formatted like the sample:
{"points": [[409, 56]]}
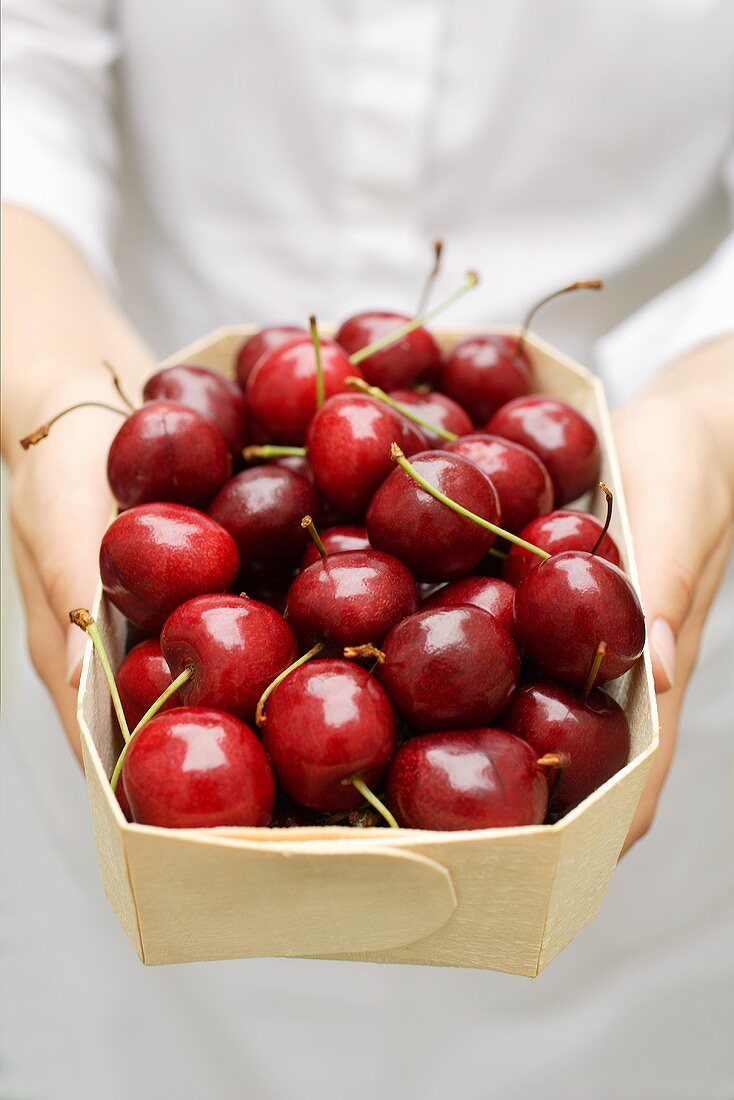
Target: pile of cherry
{"points": [[387, 614]]}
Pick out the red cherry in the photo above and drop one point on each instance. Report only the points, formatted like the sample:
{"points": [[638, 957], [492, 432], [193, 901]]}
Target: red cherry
{"points": [[522, 482], [561, 437], [569, 604], [435, 408], [209, 393], [491, 594], [193, 767], [470, 779], [154, 557], [336, 540], [485, 372], [236, 647], [397, 365], [260, 344], [122, 801], [327, 721], [141, 678], [592, 732], [449, 667], [432, 540], [297, 464], [165, 451], [564, 529]]}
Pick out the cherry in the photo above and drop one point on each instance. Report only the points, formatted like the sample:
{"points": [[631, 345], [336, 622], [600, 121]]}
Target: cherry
{"points": [[567, 606], [165, 451], [297, 464], [348, 444], [327, 722], [522, 482], [336, 540], [483, 373], [289, 815], [560, 436], [194, 767], [260, 344], [430, 538], [467, 779], [449, 667], [350, 598], [141, 678], [435, 408], [262, 509], [593, 733], [154, 557], [491, 594], [209, 393], [234, 647], [397, 365], [563, 529]]}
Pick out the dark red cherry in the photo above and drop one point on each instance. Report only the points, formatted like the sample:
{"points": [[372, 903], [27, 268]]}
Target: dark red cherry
{"points": [[350, 598], [348, 445], [141, 678], [435, 408], [194, 768], [165, 451], [564, 529], [397, 365], [336, 540], [209, 393], [235, 646], [449, 668], [262, 509], [260, 344], [327, 721], [297, 464], [592, 732], [568, 605], [122, 801], [522, 482], [466, 779], [155, 557], [491, 594], [561, 437], [434, 542], [281, 390], [483, 373]]}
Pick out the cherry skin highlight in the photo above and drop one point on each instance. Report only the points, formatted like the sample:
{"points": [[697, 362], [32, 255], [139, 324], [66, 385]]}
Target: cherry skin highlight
{"points": [[141, 678], [194, 767], [397, 365], [435, 408], [260, 344], [490, 593], [483, 373], [209, 393], [564, 529], [522, 482], [336, 540]]}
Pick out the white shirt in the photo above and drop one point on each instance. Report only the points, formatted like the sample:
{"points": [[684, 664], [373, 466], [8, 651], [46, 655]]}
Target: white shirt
{"points": [[259, 161]]}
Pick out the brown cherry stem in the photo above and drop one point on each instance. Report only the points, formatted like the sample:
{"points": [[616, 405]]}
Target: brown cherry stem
{"points": [[554, 760], [151, 712], [271, 450], [118, 384], [610, 507], [587, 284], [594, 670], [360, 652], [83, 619], [260, 709], [320, 385], [42, 431], [431, 276], [404, 410], [397, 456], [310, 526], [373, 800]]}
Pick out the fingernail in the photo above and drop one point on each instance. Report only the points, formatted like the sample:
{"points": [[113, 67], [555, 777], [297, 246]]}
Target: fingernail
{"points": [[662, 643], [75, 642]]}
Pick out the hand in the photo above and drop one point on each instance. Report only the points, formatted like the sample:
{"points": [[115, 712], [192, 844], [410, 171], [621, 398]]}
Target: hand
{"points": [[678, 486]]}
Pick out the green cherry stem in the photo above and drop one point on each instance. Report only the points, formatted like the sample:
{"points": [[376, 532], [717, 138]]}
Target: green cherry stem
{"points": [[268, 450], [310, 526], [82, 618], [392, 337], [373, 800], [320, 385], [587, 284], [431, 276], [404, 410], [260, 710], [499, 554], [610, 507], [397, 456], [151, 712], [594, 670]]}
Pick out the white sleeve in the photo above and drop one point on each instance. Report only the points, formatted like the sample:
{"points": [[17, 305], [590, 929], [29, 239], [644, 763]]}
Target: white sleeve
{"points": [[59, 135], [688, 314]]}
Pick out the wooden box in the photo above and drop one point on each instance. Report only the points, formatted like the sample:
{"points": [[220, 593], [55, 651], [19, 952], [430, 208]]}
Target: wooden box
{"points": [[501, 899]]}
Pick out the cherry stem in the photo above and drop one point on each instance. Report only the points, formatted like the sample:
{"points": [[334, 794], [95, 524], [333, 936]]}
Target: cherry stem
{"points": [[83, 619], [495, 553], [151, 712], [310, 526], [118, 384], [397, 456], [594, 670], [610, 507], [404, 410], [360, 652], [431, 276], [554, 760], [392, 337], [587, 284], [260, 709], [41, 433], [320, 384], [269, 450], [373, 800]]}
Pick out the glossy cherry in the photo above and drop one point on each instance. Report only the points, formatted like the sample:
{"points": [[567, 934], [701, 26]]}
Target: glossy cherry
{"points": [[432, 540], [165, 451], [235, 647], [260, 344], [563, 529], [435, 408], [328, 721], [143, 676], [336, 540], [490, 593], [397, 365], [194, 767], [561, 437], [449, 668], [209, 393], [522, 482], [350, 598], [155, 557], [593, 732], [568, 605], [466, 779], [483, 373]]}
